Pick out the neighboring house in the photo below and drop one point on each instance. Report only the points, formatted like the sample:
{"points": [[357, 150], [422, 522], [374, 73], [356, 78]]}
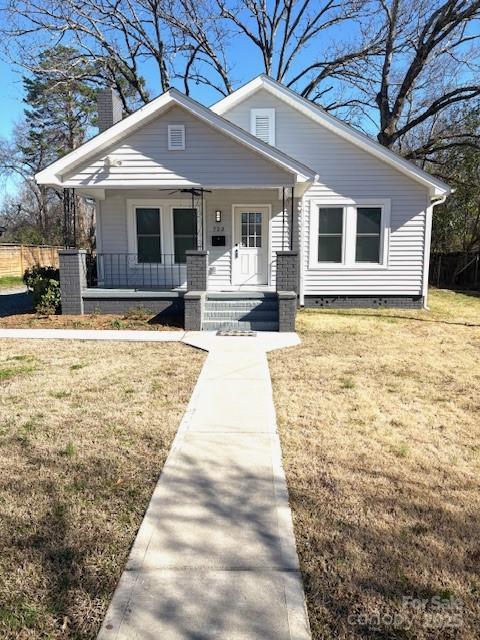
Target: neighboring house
{"points": [[260, 173]]}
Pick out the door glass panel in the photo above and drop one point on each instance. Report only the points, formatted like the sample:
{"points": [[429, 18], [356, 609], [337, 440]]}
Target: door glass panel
{"points": [[251, 229]]}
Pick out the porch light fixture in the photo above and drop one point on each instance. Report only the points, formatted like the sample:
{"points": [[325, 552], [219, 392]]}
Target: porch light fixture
{"points": [[218, 215]]}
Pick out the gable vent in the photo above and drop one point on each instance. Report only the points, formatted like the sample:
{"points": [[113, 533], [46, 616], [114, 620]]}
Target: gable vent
{"points": [[176, 137], [262, 124]]}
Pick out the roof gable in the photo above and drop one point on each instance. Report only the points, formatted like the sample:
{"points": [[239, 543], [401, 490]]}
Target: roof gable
{"points": [[209, 158], [54, 174], [336, 126]]}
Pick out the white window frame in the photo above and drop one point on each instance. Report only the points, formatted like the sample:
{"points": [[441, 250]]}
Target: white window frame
{"points": [[315, 228], [132, 240], [350, 233], [166, 208], [180, 127], [270, 114], [181, 204]]}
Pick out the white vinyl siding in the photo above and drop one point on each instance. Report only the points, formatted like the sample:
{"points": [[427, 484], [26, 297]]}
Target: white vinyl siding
{"points": [[176, 137], [113, 215], [262, 124], [211, 159], [345, 171]]}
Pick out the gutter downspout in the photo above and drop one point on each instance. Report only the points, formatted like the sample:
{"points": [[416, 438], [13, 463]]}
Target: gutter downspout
{"points": [[428, 244]]}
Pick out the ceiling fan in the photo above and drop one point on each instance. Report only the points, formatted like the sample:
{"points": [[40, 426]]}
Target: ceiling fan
{"points": [[193, 191]]}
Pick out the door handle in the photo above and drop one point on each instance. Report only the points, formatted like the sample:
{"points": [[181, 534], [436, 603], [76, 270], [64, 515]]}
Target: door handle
{"points": [[236, 251]]}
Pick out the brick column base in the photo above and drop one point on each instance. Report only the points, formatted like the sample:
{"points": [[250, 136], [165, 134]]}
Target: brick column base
{"points": [[287, 310], [73, 280], [194, 302], [287, 271], [197, 270]]}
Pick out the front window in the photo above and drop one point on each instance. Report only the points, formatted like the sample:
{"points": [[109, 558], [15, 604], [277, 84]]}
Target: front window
{"points": [[330, 234], [184, 232], [149, 248], [369, 220]]}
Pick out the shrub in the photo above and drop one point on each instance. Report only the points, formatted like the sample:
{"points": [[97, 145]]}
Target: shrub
{"points": [[44, 282]]}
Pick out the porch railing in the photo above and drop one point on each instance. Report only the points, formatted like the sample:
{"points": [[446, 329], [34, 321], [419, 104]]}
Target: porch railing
{"points": [[126, 271]]}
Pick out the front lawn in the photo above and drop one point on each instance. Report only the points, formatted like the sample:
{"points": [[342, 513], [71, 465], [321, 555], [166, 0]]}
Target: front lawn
{"points": [[85, 428], [379, 417]]}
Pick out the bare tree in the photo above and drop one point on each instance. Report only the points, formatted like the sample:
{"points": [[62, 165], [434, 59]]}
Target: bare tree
{"points": [[118, 36], [400, 67], [429, 65]]}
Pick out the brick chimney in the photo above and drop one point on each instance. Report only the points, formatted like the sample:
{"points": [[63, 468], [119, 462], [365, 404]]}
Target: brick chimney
{"points": [[109, 108]]}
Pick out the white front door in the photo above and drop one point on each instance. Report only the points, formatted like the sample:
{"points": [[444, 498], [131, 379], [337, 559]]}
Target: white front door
{"points": [[250, 245]]}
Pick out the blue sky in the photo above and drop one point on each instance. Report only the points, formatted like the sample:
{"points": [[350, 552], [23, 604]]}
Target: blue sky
{"points": [[12, 106]]}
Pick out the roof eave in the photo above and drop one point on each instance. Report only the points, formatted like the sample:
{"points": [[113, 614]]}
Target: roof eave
{"points": [[437, 187], [52, 175]]}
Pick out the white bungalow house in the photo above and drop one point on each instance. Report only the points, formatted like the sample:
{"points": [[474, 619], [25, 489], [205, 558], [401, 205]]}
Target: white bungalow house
{"points": [[261, 181]]}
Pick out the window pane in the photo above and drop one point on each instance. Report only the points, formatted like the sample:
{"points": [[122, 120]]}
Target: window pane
{"points": [[330, 220], [258, 229], [148, 221], [368, 219], [368, 249], [330, 248], [182, 244], [251, 241], [259, 241], [244, 218], [185, 221], [149, 249]]}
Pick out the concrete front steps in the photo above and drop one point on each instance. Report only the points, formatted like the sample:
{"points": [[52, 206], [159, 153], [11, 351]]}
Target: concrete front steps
{"points": [[230, 311]]}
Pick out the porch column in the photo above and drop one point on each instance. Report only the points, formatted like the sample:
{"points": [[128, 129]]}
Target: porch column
{"points": [[287, 271], [197, 283], [73, 280], [287, 289], [197, 270]]}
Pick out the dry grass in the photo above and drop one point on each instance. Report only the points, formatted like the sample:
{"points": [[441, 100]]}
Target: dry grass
{"points": [[380, 426], [84, 431]]}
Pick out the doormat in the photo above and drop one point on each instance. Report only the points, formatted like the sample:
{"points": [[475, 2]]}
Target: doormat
{"points": [[236, 333]]}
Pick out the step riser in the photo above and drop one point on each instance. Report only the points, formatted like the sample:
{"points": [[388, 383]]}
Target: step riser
{"points": [[250, 316], [220, 306], [230, 312], [239, 326]]}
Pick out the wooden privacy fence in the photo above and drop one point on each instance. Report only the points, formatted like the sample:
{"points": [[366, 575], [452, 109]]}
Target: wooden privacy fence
{"points": [[459, 270], [15, 258]]}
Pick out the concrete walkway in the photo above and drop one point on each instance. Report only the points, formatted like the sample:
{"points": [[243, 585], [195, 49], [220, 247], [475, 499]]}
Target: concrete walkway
{"points": [[215, 556]]}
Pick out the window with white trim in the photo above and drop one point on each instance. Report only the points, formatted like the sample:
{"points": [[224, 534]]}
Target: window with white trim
{"points": [[349, 234], [330, 234], [176, 137], [369, 234], [262, 124], [148, 230]]}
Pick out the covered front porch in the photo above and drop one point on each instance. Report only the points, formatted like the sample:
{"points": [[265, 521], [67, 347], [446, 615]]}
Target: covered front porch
{"points": [[143, 237]]}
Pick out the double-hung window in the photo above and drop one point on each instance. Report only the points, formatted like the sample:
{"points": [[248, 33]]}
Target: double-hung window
{"points": [[184, 232], [148, 231], [330, 234], [348, 234]]}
